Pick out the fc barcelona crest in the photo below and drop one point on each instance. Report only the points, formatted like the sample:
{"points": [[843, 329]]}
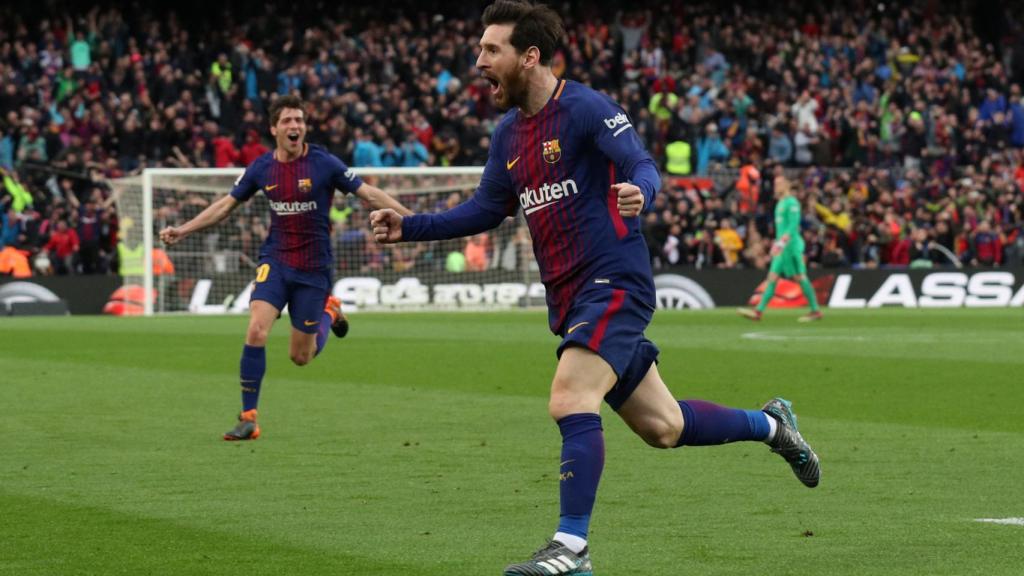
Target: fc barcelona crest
{"points": [[305, 184], [552, 151]]}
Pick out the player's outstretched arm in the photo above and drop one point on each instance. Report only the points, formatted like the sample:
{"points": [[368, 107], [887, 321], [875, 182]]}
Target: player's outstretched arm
{"points": [[379, 199], [466, 219], [210, 216]]}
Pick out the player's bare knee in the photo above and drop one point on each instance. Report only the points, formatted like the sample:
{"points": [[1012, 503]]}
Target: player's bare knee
{"points": [[666, 435], [564, 399], [301, 358], [560, 405], [660, 432], [257, 334], [567, 400]]}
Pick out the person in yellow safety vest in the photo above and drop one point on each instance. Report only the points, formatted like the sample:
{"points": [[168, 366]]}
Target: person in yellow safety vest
{"points": [[340, 215], [132, 261], [131, 258], [221, 70], [20, 197], [662, 104], [677, 158]]}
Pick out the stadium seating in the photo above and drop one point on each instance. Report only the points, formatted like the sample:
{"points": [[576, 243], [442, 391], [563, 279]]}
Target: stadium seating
{"points": [[905, 142]]}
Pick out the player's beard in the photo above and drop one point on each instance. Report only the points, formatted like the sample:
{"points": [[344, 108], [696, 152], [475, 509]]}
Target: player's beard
{"points": [[514, 90]]}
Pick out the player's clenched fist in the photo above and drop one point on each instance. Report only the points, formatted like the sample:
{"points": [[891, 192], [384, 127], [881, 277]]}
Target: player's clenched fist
{"points": [[386, 225], [171, 235], [631, 199]]}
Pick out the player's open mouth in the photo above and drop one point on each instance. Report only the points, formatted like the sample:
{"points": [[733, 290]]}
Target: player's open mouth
{"points": [[294, 136], [495, 85]]}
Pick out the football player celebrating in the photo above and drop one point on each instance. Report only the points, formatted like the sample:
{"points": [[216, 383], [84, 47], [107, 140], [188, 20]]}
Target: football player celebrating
{"points": [[296, 261], [569, 158]]}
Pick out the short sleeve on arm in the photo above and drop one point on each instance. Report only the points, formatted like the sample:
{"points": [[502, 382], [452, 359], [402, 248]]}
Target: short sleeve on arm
{"points": [[247, 184], [343, 177]]}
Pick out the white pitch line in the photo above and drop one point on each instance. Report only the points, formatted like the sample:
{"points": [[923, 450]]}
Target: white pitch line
{"points": [[784, 337], [878, 338], [1003, 521]]}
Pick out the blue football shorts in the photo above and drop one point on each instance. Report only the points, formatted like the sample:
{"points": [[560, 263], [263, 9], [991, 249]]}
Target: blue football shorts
{"points": [[611, 323], [304, 292]]}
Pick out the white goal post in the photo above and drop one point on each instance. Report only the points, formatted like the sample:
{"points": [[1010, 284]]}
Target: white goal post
{"points": [[212, 271]]}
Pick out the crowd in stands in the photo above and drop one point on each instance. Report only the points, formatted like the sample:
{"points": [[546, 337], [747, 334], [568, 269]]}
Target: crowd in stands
{"points": [[900, 129]]}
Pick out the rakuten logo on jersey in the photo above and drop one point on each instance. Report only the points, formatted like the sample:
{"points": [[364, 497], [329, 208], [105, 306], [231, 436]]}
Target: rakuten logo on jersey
{"points": [[534, 199], [292, 208]]}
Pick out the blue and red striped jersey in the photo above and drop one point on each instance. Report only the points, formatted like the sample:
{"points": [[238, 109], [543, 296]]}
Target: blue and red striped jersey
{"points": [[558, 167], [300, 194]]}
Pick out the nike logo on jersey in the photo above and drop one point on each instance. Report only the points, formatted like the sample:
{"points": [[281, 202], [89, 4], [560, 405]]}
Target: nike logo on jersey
{"points": [[510, 163], [570, 331], [567, 461], [310, 322]]}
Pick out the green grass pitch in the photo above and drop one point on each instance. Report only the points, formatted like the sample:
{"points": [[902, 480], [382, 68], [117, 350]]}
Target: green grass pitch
{"points": [[420, 445]]}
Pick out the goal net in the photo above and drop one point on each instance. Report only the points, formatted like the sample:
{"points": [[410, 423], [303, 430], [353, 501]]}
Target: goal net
{"points": [[211, 272]]}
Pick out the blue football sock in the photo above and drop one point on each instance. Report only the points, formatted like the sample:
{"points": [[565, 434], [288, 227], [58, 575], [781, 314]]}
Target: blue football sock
{"points": [[707, 424], [580, 471], [323, 332], [254, 365]]}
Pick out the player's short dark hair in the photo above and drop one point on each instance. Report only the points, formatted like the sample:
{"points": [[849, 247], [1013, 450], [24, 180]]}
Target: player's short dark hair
{"points": [[289, 101], [532, 25]]}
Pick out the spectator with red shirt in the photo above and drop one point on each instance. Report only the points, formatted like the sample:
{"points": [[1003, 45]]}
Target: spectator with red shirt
{"points": [[225, 154], [252, 149], [62, 249], [897, 251]]}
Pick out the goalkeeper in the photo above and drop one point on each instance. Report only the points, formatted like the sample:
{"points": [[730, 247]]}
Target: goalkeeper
{"points": [[787, 255]]}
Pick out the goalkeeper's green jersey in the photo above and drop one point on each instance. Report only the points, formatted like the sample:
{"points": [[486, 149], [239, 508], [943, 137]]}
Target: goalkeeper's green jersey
{"points": [[787, 221]]}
